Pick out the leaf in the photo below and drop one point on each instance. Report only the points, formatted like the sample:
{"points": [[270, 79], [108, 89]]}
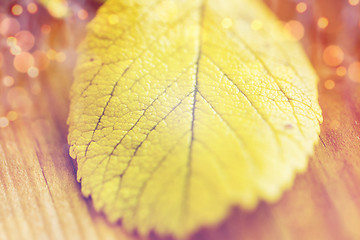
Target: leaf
{"points": [[182, 109]]}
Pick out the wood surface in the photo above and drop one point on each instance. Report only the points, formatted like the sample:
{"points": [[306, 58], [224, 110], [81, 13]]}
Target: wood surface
{"points": [[41, 199]]}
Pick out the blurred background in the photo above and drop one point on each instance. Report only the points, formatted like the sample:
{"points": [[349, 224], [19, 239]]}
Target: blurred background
{"points": [[39, 195]]}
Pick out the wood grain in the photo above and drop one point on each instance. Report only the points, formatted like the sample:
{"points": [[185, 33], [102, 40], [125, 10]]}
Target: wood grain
{"points": [[41, 199]]}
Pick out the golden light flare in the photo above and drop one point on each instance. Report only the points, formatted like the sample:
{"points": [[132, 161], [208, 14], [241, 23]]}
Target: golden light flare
{"points": [[341, 71], [323, 22], [11, 41], [333, 55], [301, 7], [33, 72], [15, 50], [354, 72], [296, 29], [17, 10], [12, 116], [32, 8], [8, 81], [329, 84]]}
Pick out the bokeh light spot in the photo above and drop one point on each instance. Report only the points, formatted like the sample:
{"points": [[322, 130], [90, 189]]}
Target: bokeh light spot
{"points": [[323, 22], [12, 116], [11, 41], [23, 62], [82, 14], [15, 50], [329, 84], [296, 29], [8, 81], [33, 72], [4, 122], [333, 55], [9, 26], [301, 7], [17, 10], [51, 54], [354, 72], [32, 8], [341, 71], [25, 40]]}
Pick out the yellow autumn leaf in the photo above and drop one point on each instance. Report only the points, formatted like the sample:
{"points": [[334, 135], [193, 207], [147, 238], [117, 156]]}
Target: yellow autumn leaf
{"points": [[183, 109]]}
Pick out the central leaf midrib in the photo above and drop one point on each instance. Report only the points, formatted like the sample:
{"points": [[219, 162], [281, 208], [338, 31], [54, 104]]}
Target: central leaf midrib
{"points": [[188, 174]]}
